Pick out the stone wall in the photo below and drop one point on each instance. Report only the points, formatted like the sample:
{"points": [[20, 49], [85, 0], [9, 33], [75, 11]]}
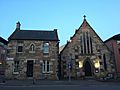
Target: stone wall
{"points": [[72, 53], [37, 56]]}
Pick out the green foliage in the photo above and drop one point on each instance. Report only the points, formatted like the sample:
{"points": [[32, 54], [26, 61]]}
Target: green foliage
{"points": [[101, 74]]}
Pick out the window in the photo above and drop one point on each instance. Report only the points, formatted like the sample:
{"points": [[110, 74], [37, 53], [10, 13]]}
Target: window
{"points": [[119, 50], [76, 56], [76, 50], [86, 43], [101, 63], [104, 59], [2, 56], [118, 41], [46, 48], [32, 47], [47, 67], [91, 45], [81, 44], [3, 51], [44, 66], [20, 49], [99, 56], [16, 67]]}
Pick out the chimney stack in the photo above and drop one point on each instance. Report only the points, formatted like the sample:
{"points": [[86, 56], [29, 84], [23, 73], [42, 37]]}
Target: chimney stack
{"points": [[18, 25]]}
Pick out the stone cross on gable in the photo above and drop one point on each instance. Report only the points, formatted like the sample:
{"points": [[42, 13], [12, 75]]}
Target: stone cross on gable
{"points": [[84, 17], [84, 22]]}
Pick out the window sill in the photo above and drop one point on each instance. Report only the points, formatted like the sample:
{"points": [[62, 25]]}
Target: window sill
{"points": [[15, 72], [19, 52], [31, 51], [47, 72], [45, 53]]}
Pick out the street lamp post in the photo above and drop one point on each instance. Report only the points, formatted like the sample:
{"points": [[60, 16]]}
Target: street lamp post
{"points": [[69, 66]]}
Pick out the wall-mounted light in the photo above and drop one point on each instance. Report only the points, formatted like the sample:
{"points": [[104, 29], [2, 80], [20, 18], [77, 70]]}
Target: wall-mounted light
{"points": [[0, 63], [97, 70], [80, 64], [97, 63]]}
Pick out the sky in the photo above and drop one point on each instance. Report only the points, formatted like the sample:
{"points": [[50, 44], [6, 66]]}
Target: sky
{"points": [[64, 15]]}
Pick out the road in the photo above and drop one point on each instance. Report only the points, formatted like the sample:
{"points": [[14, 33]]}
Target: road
{"points": [[63, 85]]}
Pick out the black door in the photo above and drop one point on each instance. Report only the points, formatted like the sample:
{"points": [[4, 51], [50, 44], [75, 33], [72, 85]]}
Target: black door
{"points": [[87, 68], [30, 68]]}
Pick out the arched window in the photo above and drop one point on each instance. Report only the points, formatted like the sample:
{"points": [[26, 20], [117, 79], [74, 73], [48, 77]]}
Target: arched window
{"points": [[32, 47], [104, 59], [86, 43]]}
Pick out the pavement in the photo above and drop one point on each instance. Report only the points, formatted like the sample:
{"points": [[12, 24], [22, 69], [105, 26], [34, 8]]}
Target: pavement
{"points": [[30, 82]]}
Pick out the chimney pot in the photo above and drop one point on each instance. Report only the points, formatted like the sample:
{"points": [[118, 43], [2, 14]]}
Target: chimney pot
{"points": [[18, 25]]}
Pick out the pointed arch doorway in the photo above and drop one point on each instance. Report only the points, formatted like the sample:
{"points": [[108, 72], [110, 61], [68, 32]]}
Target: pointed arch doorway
{"points": [[87, 68]]}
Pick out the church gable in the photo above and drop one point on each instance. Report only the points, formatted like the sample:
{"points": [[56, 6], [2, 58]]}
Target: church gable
{"points": [[84, 49], [87, 39]]}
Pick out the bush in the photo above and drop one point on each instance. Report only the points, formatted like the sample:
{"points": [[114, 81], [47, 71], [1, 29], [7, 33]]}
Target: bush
{"points": [[101, 74]]}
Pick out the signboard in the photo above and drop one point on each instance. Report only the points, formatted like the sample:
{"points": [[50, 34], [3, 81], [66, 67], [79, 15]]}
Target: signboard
{"points": [[10, 59]]}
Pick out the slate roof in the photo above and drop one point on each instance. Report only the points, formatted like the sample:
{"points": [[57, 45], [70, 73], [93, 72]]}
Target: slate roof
{"points": [[34, 35], [3, 41], [115, 37]]}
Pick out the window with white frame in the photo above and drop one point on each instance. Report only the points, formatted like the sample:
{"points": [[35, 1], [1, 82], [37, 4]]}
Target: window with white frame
{"points": [[16, 67], [20, 49], [47, 67], [118, 41], [46, 48]]}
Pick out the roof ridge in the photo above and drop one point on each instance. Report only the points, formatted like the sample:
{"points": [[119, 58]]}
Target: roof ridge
{"points": [[34, 34], [37, 30]]}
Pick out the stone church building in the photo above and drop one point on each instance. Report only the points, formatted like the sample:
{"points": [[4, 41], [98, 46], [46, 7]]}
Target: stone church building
{"points": [[32, 53], [85, 54]]}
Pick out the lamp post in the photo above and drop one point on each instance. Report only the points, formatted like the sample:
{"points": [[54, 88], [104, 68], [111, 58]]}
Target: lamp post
{"points": [[69, 66]]}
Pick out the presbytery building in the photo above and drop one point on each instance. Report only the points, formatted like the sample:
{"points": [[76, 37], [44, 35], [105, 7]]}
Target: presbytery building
{"points": [[32, 54], [85, 54]]}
